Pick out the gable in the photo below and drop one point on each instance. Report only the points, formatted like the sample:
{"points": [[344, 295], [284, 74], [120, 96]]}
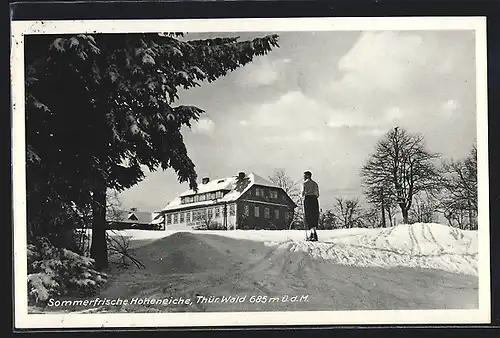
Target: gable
{"points": [[281, 198]]}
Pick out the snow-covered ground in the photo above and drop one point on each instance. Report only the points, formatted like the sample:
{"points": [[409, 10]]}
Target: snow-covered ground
{"points": [[423, 245]]}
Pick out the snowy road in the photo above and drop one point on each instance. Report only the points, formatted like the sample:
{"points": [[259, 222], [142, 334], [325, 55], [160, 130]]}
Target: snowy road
{"points": [[422, 266]]}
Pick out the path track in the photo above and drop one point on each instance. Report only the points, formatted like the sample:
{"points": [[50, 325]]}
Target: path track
{"points": [[218, 266]]}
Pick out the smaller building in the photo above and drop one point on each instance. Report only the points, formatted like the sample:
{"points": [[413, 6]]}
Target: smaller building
{"points": [[237, 202], [132, 219]]}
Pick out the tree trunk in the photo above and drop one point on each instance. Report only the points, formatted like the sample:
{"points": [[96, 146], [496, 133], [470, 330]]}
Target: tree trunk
{"points": [[99, 248], [469, 206], [404, 211], [383, 213], [389, 214]]}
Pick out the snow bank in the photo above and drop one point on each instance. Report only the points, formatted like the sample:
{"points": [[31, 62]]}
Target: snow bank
{"points": [[425, 245], [416, 239], [433, 246]]}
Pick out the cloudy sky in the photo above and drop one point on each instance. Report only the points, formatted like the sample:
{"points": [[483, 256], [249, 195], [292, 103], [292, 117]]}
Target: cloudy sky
{"points": [[320, 102]]}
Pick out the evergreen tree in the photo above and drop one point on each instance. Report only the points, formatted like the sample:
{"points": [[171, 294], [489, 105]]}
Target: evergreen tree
{"points": [[100, 109]]}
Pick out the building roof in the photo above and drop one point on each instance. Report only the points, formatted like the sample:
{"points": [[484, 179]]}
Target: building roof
{"points": [[133, 217], [236, 186]]}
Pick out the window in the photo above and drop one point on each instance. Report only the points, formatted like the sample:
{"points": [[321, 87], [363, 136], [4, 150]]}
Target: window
{"points": [[188, 216], [276, 213], [210, 213], [197, 198], [256, 211], [218, 194], [288, 215], [203, 197], [232, 210], [257, 192], [217, 212], [169, 219], [267, 213], [182, 216], [274, 194], [212, 195], [176, 218], [247, 210]]}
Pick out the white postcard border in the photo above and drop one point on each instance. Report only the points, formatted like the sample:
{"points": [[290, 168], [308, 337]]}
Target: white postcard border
{"points": [[395, 317]]}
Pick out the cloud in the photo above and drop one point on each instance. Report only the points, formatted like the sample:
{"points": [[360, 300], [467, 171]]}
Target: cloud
{"points": [[290, 110], [344, 118], [375, 132], [308, 136], [305, 116], [449, 107], [383, 60], [263, 71], [393, 114], [204, 126], [388, 77]]}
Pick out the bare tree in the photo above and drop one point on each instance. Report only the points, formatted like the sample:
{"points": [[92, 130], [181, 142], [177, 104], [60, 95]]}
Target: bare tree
{"points": [[208, 222], [120, 251], [454, 211], [348, 212], [114, 207], [392, 210], [327, 220], [371, 217], [402, 163], [298, 216], [379, 195], [459, 196], [292, 188], [423, 209], [281, 179]]}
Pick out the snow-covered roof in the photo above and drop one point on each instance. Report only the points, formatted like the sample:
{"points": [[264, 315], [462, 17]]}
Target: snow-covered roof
{"points": [[236, 186], [213, 185], [133, 217]]}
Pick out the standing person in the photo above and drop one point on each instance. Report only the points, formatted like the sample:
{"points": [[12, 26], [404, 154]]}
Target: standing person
{"points": [[310, 195]]}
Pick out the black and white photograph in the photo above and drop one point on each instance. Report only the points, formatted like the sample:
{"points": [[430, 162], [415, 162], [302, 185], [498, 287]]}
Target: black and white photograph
{"points": [[250, 172]]}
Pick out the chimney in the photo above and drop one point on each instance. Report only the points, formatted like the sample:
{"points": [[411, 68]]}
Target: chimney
{"points": [[205, 180], [241, 175]]}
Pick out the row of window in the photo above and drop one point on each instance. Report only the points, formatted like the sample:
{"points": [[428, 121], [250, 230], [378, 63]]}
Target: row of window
{"points": [[199, 215], [202, 197], [219, 194], [262, 192], [267, 212]]}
